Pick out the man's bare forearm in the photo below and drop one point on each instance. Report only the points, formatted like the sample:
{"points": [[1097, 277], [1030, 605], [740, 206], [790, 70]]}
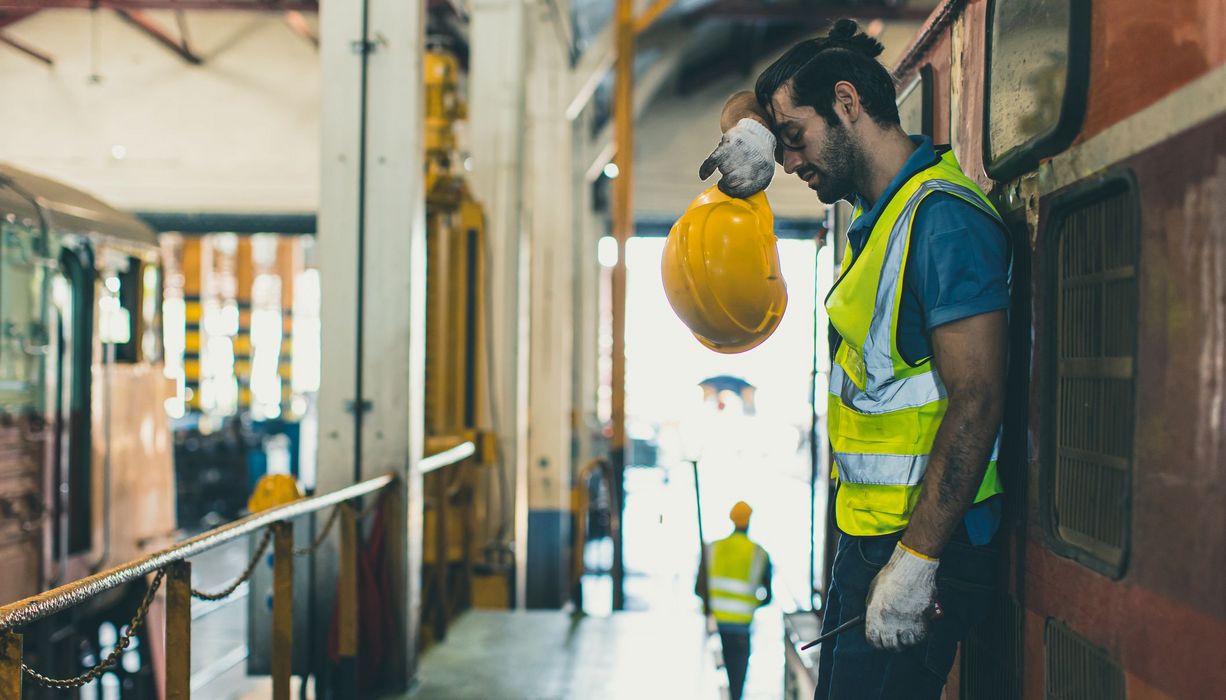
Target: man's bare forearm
{"points": [[740, 106], [956, 466]]}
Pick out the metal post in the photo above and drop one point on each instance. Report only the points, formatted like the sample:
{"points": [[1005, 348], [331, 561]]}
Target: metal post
{"points": [[282, 609], [178, 630], [10, 664], [702, 540], [439, 623], [402, 562], [347, 601], [623, 228]]}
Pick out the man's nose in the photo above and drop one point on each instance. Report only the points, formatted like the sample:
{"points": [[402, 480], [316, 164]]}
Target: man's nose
{"points": [[791, 161]]}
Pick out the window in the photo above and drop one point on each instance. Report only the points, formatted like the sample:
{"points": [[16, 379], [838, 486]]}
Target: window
{"points": [[915, 104], [1090, 376], [1037, 75]]}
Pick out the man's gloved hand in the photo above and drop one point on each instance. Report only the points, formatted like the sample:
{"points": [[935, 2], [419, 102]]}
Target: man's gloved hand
{"points": [[745, 157], [899, 600]]}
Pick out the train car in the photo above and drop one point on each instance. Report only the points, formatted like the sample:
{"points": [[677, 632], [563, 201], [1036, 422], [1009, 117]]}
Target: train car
{"points": [[86, 475], [1100, 131]]}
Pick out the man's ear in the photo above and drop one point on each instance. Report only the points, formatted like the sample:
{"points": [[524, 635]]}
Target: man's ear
{"points": [[846, 101]]}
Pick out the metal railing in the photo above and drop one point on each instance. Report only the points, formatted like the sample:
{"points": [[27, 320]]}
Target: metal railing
{"points": [[171, 564]]}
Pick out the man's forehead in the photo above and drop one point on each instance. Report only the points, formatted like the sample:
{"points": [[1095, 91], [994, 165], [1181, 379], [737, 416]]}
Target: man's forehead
{"points": [[784, 110]]}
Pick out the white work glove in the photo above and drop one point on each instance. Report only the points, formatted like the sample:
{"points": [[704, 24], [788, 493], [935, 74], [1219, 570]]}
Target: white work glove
{"points": [[900, 600], [745, 157]]}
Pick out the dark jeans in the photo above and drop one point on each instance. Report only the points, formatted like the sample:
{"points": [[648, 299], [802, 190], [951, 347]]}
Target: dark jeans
{"points": [[851, 669], [736, 660]]}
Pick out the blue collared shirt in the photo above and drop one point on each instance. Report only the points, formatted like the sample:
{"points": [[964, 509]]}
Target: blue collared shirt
{"points": [[957, 267]]}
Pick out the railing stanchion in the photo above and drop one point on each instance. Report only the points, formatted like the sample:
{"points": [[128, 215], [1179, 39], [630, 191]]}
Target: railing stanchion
{"points": [[347, 634], [282, 609], [439, 624], [10, 664], [178, 630]]}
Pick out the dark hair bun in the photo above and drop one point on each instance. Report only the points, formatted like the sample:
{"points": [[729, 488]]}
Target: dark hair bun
{"points": [[846, 34]]}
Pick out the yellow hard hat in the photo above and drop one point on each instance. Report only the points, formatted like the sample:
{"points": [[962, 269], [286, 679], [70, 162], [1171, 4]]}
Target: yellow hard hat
{"points": [[273, 490], [740, 514], [721, 271]]}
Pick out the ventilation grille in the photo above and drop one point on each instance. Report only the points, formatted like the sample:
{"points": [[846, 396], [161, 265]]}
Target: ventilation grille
{"points": [[992, 654], [1077, 670], [1096, 340]]}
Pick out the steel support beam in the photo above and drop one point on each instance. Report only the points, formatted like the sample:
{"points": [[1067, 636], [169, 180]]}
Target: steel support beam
{"points": [[298, 22], [27, 49], [813, 16], [149, 26], [13, 16], [137, 5]]}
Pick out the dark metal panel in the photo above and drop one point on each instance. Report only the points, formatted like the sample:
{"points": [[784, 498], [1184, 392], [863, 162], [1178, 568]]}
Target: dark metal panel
{"points": [[200, 223]]}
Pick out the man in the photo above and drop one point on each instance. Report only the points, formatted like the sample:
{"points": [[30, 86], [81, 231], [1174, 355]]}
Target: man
{"points": [[918, 316], [730, 576]]}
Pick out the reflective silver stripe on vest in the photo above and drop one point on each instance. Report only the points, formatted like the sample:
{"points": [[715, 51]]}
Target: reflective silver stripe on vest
{"points": [[878, 360], [889, 470], [891, 395], [733, 606], [881, 470], [730, 585]]}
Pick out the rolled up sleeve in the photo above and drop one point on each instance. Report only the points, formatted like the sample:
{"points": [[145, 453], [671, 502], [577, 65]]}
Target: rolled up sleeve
{"points": [[959, 263]]}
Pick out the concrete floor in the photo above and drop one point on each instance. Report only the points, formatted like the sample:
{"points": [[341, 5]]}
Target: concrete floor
{"points": [[543, 655]]}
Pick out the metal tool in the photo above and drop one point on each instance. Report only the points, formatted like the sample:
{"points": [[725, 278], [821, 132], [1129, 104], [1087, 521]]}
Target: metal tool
{"points": [[934, 613], [857, 620]]}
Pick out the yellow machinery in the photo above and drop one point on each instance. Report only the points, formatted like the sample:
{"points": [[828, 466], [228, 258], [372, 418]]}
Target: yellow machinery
{"points": [[455, 362]]}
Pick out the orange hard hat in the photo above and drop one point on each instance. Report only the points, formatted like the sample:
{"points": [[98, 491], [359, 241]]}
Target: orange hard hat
{"points": [[721, 271], [740, 514]]}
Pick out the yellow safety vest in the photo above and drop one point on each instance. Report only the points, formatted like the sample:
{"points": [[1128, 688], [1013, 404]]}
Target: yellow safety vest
{"points": [[734, 573], [884, 412]]}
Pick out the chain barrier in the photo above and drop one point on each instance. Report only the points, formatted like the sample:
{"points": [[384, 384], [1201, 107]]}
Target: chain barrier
{"points": [[374, 505], [255, 559], [112, 658], [323, 534]]}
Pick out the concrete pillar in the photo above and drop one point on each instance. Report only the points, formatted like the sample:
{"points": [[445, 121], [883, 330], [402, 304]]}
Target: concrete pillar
{"points": [[372, 272], [497, 65], [550, 200], [588, 229]]}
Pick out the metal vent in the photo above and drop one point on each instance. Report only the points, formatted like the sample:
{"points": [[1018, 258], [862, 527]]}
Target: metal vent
{"points": [[1078, 670], [992, 654], [1096, 337]]}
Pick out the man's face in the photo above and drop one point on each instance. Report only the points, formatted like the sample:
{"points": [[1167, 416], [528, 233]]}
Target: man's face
{"points": [[826, 157]]}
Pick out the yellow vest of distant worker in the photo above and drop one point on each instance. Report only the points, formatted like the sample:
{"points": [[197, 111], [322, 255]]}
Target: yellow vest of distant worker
{"points": [[734, 574], [884, 412]]}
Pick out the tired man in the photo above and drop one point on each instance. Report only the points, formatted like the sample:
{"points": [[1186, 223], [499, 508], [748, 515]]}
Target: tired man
{"points": [[918, 315]]}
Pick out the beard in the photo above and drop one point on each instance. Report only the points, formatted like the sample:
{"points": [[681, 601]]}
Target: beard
{"points": [[841, 159]]}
